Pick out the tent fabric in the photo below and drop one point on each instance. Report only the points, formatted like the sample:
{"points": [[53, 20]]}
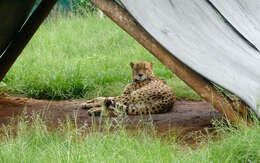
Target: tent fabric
{"points": [[244, 15], [193, 32]]}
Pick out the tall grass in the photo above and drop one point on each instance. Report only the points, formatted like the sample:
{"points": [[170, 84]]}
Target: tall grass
{"points": [[81, 57], [35, 142]]}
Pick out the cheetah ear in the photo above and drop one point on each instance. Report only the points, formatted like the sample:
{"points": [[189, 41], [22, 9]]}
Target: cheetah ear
{"points": [[152, 63], [132, 64]]}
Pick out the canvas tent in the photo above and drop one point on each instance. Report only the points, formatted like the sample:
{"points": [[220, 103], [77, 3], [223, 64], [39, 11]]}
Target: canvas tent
{"points": [[188, 36], [194, 33]]}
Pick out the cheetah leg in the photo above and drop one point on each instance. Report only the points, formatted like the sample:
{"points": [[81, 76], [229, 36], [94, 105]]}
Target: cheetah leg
{"points": [[111, 109], [102, 110], [118, 107], [94, 103], [96, 111]]}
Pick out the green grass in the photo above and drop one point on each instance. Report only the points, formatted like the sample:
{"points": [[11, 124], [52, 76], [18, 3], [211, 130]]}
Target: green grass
{"points": [[85, 57], [81, 57], [34, 142]]}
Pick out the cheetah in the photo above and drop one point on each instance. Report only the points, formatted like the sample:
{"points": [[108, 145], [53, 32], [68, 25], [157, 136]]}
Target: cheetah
{"points": [[146, 94]]}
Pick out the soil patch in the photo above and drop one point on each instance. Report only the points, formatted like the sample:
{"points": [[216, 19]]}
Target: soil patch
{"points": [[184, 117]]}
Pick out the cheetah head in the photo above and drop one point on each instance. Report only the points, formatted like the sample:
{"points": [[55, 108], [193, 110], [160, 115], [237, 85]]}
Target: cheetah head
{"points": [[142, 71]]}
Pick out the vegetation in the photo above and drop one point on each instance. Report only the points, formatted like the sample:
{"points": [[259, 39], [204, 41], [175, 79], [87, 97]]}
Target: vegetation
{"points": [[35, 142], [84, 57], [81, 57]]}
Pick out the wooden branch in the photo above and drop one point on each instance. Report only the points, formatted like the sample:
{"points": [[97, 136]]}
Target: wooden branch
{"points": [[200, 85], [24, 36]]}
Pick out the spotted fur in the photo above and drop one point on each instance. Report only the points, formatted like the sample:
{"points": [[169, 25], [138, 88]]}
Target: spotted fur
{"points": [[145, 94]]}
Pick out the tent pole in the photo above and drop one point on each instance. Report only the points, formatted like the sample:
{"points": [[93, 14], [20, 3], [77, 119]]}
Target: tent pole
{"points": [[24, 36], [199, 84]]}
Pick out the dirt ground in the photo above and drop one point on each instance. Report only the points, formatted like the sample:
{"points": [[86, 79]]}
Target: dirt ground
{"points": [[184, 117]]}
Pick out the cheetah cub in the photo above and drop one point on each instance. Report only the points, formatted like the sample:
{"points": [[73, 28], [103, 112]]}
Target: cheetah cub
{"points": [[145, 94]]}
